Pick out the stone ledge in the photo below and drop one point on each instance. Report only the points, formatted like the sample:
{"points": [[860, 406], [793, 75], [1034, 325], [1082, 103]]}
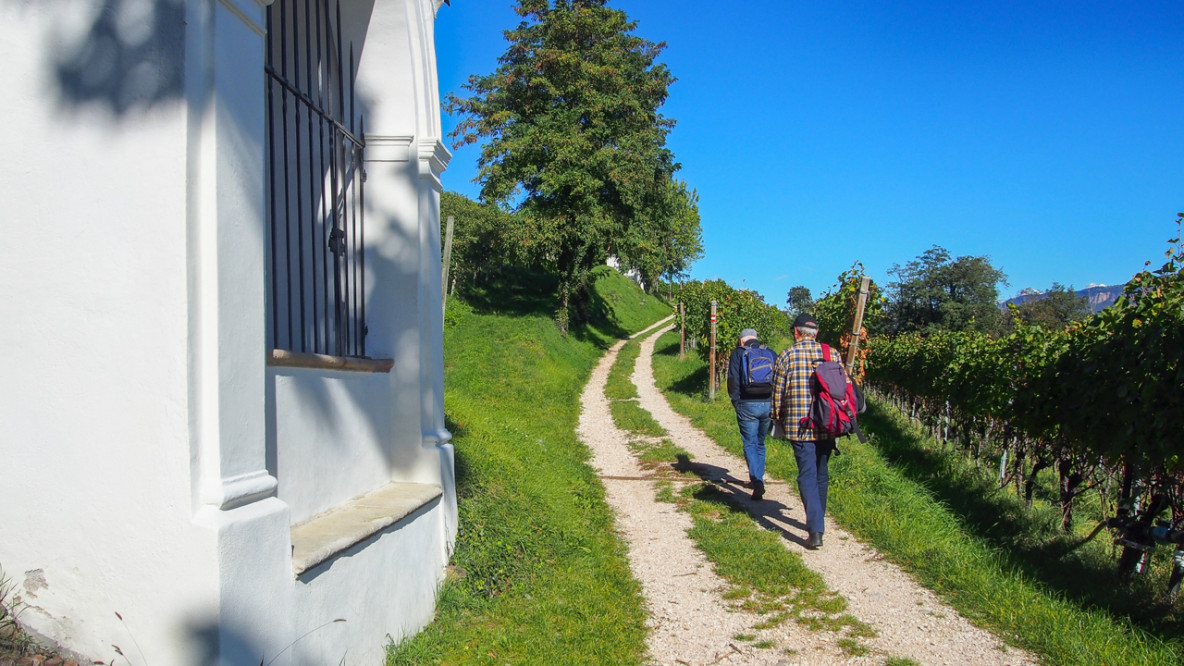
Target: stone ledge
{"points": [[290, 359], [321, 537]]}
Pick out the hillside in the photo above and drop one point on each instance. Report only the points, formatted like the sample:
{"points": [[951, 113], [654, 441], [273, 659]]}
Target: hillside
{"points": [[1100, 296], [538, 576]]}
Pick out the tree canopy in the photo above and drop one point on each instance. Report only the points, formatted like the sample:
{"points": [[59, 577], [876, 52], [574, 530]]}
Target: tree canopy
{"points": [[670, 240], [484, 238], [1055, 309], [798, 300], [575, 145], [936, 292]]}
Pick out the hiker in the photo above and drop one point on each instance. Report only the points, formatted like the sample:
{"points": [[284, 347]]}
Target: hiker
{"points": [[750, 385], [791, 404]]}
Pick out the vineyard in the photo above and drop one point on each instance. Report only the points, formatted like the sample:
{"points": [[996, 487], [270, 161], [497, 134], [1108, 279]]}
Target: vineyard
{"points": [[1097, 401], [736, 309], [1094, 407]]}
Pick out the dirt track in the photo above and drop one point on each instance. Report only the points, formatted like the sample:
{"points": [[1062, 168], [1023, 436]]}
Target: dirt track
{"points": [[690, 622]]}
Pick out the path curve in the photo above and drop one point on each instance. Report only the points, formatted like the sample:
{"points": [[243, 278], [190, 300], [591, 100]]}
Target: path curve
{"points": [[690, 623]]}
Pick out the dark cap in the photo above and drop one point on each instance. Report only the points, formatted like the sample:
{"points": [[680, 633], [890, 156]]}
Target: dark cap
{"points": [[805, 321]]}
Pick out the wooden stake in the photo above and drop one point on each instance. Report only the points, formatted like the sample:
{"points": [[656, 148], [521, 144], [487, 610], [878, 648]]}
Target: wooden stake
{"points": [[682, 332], [711, 355], [864, 285], [447, 257]]}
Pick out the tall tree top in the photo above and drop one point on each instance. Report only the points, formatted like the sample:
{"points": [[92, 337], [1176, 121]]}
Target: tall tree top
{"points": [[574, 140]]}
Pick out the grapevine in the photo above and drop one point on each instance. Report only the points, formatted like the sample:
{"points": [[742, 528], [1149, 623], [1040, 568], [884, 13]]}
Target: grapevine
{"points": [[1093, 401]]}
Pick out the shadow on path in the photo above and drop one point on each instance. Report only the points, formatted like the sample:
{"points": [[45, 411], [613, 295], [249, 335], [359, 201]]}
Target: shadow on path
{"points": [[768, 513]]}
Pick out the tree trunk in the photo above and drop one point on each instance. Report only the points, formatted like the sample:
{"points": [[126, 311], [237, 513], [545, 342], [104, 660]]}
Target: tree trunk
{"points": [[563, 314], [1017, 469], [1069, 481], [1030, 482]]}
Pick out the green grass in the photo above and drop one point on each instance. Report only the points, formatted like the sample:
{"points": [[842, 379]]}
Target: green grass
{"points": [[619, 386], [538, 574], [622, 394], [987, 556], [1073, 565], [762, 575]]}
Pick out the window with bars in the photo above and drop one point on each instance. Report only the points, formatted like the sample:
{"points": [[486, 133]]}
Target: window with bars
{"points": [[316, 189]]}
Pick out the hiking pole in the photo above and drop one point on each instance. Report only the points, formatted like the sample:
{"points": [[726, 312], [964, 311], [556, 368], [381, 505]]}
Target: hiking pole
{"points": [[863, 292]]}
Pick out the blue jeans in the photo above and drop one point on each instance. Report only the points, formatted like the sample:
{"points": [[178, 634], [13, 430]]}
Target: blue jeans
{"points": [[753, 418], [813, 460]]}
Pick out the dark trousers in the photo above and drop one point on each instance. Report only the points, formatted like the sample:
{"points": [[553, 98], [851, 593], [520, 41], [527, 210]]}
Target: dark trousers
{"points": [[813, 479]]}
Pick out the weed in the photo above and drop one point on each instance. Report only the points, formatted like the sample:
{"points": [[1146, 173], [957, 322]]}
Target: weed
{"points": [[852, 648], [12, 640], [666, 492], [300, 638]]}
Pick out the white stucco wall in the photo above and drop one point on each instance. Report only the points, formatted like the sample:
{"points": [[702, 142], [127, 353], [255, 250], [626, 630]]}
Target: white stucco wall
{"points": [[142, 432], [95, 507], [374, 429]]}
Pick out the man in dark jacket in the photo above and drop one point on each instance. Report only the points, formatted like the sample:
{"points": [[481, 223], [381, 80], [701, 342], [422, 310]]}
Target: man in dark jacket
{"points": [[751, 390]]}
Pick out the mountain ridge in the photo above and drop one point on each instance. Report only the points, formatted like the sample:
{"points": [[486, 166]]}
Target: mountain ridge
{"points": [[1099, 296]]}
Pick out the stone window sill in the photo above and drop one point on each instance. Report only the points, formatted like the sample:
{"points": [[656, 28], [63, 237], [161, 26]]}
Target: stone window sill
{"points": [[321, 537], [291, 359]]}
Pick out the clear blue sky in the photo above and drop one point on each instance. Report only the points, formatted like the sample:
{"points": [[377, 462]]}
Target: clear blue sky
{"points": [[1048, 136]]}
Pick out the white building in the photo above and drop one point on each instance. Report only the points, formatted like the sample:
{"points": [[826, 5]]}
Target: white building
{"points": [[222, 394]]}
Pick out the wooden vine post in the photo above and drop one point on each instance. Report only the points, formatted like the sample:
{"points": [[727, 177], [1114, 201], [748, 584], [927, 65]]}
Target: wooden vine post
{"points": [[711, 355], [682, 332], [447, 258], [864, 285]]}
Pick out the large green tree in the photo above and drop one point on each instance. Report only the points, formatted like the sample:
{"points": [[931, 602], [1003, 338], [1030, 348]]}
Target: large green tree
{"points": [[573, 138], [937, 292], [665, 246], [799, 300]]}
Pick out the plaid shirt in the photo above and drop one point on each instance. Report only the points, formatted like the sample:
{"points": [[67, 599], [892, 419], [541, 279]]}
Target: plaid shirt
{"points": [[791, 388]]}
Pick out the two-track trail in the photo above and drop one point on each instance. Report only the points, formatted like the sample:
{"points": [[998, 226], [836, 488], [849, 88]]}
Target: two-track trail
{"points": [[690, 621]]}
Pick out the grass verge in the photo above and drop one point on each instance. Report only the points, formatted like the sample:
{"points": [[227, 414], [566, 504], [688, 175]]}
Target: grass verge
{"points": [[896, 511], [538, 575]]}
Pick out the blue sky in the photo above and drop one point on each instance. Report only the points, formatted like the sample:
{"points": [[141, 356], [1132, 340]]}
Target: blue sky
{"points": [[1048, 136]]}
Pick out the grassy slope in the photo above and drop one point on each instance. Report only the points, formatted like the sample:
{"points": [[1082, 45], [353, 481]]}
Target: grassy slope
{"points": [[539, 575], [921, 517]]}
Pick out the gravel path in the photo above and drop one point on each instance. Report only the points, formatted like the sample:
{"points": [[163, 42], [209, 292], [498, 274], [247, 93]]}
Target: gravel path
{"points": [[690, 622]]}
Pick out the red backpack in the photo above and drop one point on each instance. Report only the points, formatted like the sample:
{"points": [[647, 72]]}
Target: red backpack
{"points": [[837, 400]]}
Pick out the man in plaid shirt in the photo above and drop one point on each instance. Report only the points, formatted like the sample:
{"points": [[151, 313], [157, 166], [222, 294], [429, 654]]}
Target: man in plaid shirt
{"points": [[791, 403]]}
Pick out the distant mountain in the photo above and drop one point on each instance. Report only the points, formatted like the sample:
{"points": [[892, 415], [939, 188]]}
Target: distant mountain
{"points": [[1099, 296]]}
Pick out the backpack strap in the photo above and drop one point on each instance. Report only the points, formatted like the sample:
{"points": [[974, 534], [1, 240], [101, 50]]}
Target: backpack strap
{"points": [[826, 356]]}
